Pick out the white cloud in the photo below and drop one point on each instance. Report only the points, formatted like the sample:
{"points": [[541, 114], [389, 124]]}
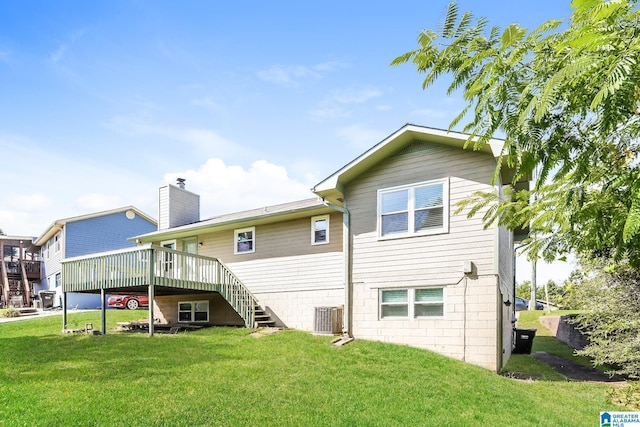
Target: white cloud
{"points": [[229, 188], [360, 138], [96, 202], [291, 75], [205, 140], [326, 112], [333, 106], [431, 113], [354, 96], [63, 47], [10, 220], [57, 54], [28, 202], [5, 55], [209, 104]]}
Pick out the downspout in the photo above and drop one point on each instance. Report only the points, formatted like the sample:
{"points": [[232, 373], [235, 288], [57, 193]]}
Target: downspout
{"points": [[347, 326]]}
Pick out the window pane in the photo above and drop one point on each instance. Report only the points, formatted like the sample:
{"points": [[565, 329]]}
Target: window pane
{"points": [[245, 236], [394, 295], [431, 310], [184, 316], [396, 201], [184, 306], [428, 219], [429, 295], [320, 224], [395, 223], [428, 196], [395, 311], [201, 316], [201, 306], [245, 246], [320, 231]]}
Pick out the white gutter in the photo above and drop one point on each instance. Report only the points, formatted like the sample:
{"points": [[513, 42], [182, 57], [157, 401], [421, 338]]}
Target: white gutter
{"points": [[346, 250]]}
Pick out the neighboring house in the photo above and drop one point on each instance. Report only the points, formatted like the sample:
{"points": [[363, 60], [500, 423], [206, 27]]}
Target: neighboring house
{"points": [[20, 268], [87, 234], [380, 252]]}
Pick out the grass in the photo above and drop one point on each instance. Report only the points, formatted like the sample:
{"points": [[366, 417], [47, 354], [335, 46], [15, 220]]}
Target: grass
{"points": [[224, 376], [544, 341]]}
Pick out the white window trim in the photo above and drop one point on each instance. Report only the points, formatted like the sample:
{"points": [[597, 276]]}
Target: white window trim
{"points": [[193, 305], [167, 243], [235, 240], [313, 229], [167, 258], [411, 302], [57, 242], [410, 220]]}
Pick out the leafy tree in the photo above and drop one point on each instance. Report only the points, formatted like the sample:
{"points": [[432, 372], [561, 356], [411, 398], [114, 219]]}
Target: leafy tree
{"points": [[523, 290], [2, 232], [556, 291], [567, 101], [610, 299]]}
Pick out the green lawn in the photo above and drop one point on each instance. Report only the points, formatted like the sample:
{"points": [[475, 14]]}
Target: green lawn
{"points": [[224, 376]]}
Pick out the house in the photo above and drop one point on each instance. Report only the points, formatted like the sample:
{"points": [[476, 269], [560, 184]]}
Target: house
{"points": [[380, 252], [20, 267], [82, 235]]}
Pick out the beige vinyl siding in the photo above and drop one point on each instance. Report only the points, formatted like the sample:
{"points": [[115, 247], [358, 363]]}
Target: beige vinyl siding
{"points": [[281, 239], [288, 275], [434, 258], [285, 274], [468, 329]]}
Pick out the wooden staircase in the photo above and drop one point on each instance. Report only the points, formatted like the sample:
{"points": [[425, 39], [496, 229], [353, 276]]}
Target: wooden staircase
{"points": [[262, 319]]}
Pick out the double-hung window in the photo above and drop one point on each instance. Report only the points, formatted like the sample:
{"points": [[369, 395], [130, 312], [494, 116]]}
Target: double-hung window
{"points": [[320, 230], [415, 209], [245, 240], [193, 311], [411, 303]]}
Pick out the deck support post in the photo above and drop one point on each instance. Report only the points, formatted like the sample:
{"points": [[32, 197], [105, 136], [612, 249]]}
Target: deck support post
{"points": [[152, 268], [64, 311], [103, 311], [151, 304]]}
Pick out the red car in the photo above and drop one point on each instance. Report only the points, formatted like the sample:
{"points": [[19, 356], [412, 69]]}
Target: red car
{"points": [[131, 302]]}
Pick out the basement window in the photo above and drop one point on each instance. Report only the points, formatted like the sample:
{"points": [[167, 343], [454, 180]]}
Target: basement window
{"points": [[411, 303], [193, 311]]}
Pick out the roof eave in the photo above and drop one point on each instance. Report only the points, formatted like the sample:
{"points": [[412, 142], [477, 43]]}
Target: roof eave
{"points": [[210, 226], [391, 144]]}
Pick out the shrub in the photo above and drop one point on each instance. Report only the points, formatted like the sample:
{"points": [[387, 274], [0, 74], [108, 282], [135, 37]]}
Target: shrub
{"points": [[9, 312], [610, 298]]}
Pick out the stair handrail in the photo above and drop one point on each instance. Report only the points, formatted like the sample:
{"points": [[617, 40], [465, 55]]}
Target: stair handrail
{"points": [[189, 267]]}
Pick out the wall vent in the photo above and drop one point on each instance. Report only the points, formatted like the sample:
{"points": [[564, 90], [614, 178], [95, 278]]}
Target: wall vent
{"points": [[328, 320]]}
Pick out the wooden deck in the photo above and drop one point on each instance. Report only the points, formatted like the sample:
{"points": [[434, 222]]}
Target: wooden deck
{"points": [[150, 269]]}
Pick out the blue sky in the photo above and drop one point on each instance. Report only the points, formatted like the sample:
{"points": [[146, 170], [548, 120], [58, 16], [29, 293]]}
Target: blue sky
{"points": [[253, 102]]}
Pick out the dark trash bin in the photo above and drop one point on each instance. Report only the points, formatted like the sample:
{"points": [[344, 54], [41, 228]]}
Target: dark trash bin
{"points": [[47, 298], [524, 340]]}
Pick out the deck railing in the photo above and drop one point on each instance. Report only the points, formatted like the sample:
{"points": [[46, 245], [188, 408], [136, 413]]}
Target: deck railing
{"points": [[32, 268], [146, 265]]}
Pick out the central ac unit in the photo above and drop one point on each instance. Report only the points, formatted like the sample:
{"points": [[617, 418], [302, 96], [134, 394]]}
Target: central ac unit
{"points": [[328, 320]]}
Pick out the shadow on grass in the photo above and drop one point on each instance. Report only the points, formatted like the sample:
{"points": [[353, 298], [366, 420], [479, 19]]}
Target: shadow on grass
{"points": [[105, 357]]}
